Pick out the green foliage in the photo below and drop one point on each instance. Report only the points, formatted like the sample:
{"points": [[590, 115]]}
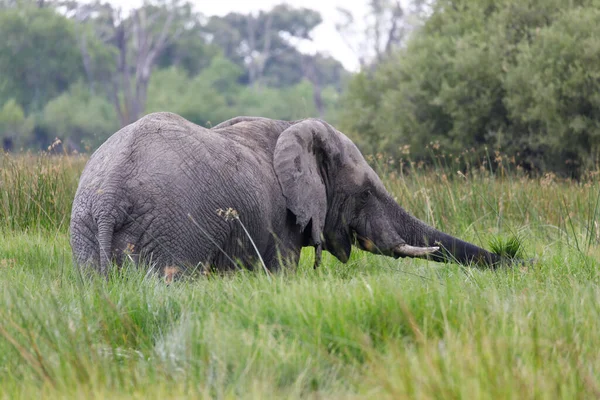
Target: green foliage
{"points": [[167, 89], [11, 115], [39, 56], [289, 103], [265, 45], [15, 128], [79, 71], [204, 99], [361, 117], [79, 117], [554, 88], [188, 53], [519, 76], [99, 59], [216, 94]]}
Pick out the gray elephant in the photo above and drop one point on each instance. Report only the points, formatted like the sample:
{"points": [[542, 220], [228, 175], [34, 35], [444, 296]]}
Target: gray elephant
{"points": [[152, 192]]}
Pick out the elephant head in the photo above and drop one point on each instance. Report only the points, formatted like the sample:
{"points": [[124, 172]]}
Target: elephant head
{"points": [[339, 200]]}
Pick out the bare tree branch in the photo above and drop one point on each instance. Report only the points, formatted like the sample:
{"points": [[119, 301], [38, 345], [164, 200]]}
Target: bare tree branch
{"points": [[310, 72], [148, 48], [138, 40], [266, 53], [386, 30], [393, 34]]}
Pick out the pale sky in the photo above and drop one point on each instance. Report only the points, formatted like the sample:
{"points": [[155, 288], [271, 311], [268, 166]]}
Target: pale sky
{"points": [[325, 37]]}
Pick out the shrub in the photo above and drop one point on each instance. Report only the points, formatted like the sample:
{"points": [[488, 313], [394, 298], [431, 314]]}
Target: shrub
{"points": [[516, 76]]}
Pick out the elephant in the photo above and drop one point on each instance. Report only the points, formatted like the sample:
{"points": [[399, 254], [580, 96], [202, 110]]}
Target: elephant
{"points": [[167, 192]]}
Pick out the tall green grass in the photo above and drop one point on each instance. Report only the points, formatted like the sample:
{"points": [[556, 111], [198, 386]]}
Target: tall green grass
{"points": [[372, 328], [36, 190]]}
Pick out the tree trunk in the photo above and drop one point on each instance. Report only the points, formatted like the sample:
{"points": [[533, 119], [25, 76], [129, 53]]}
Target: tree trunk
{"points": [[310, 73]]}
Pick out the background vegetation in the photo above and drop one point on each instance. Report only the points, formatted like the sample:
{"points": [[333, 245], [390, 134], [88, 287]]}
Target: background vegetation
{"points": [[78, 71], [519, 76]]}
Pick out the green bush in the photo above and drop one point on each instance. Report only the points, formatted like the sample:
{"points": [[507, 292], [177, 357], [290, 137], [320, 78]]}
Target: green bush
{"points": [[79, 117], [15, 127], [215, 95], [516, 76], [554, 88]]}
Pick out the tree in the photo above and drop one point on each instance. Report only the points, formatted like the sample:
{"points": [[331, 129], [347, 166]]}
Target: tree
{"points": [[205, 99], [518, 76], [266, 46], [259, 42], [288, 104], [386, 27], [553, 91], [79, 118], [38, 55], [15, 128], [138, 40], [215, 95], [323, 71], [189, 51], [80, 70]]}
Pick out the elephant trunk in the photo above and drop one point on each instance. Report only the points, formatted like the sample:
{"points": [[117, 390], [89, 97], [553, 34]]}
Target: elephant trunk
{"points": [[416, 233]]}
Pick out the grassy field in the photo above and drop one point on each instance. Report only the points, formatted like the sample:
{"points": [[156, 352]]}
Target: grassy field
{"points": [[372, 328]]}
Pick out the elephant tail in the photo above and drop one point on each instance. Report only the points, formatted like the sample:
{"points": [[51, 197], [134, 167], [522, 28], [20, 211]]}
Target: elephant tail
{"points": [[105, 238]]}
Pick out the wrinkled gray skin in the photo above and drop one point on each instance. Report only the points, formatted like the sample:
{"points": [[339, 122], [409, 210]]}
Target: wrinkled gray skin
{"points": [[152, 191]]}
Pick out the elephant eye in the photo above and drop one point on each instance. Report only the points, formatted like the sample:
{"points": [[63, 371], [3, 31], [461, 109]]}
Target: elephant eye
{"points": [[364, 196]]}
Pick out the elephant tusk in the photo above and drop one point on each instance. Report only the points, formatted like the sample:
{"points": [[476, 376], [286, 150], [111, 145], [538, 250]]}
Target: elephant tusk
{"points": [[407, 250]]}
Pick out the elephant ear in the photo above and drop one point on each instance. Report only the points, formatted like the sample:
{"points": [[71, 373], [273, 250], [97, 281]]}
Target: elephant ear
{"points": [[297, 161]]}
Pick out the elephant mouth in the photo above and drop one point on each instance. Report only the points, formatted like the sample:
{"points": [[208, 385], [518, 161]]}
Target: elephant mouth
{"points": [[366, 244]]}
